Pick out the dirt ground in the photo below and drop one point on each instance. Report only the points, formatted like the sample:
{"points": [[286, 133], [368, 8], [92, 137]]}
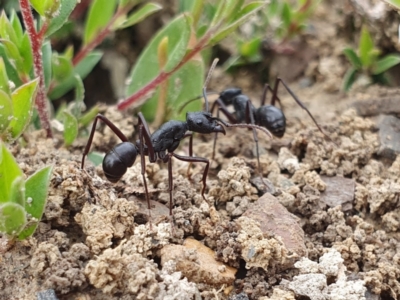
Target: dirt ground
{"points": [[325, 226]]}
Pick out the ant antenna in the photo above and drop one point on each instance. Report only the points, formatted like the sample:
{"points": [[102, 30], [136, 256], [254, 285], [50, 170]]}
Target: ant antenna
{"points": [[244, 125], [194, 99], [207, 80]]}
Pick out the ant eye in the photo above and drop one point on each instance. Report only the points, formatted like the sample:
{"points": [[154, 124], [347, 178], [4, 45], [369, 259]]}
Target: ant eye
{"points": [[199, 121]]}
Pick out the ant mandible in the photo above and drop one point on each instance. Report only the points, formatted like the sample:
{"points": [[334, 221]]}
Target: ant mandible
{"points": [[268, 116], [161, 144]]}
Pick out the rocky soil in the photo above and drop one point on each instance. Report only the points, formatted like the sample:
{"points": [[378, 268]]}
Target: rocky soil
{"points": [[324, 225]]}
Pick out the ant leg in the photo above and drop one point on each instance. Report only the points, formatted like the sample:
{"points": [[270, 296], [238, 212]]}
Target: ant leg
{"points": [[250, 117], [196, 159], [301, 104], [274, 92], [190, 135], [144, 137], [170, 182], [224, 109], [90, 140]]}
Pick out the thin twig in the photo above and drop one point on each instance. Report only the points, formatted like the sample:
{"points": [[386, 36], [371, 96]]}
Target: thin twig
{"points": [[162, 76], [100, 36]]}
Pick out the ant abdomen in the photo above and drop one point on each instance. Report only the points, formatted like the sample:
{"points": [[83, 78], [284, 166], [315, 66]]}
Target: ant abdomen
{"points": [[271, 118], [118, 160]]}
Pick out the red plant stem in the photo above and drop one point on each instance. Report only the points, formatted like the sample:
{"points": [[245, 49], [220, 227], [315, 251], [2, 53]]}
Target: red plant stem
{"points": [[36, 42], [162, 76], [100, 36], [43, 30]]}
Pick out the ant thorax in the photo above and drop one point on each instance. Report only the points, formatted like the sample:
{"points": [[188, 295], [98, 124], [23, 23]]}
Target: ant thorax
{"points": [[168, 136]]}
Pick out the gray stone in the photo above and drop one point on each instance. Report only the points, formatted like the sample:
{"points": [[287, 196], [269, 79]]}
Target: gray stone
{"points": [[389, 136], [374, 107], [339, 191], [47, 295]]}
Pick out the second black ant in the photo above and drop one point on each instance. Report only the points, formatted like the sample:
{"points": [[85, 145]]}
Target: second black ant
{"points": [[268, 116], [161, 144]]}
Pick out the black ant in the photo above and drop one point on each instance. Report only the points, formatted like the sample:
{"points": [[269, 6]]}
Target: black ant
{"points": [[268, 116], [161, 144]]}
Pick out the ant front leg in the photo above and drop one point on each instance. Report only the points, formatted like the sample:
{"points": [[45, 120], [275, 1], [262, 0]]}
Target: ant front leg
{"points": [[301, 104], [224, 109], [111, 125], [250, 118], [191, 159], [190, 135]]}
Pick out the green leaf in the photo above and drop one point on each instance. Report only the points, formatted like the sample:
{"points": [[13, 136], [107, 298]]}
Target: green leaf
{"points": [[41, 6], [353, 58], [96, 157], [188, 84], [89, 116], [79, 96], [26, 54], [47, 65], [386, 63], [82, 69], [67, 6], [140, 14], [46, 8], [12, 218], [242, 17], [286, 15], [36, 190], [9, 171], [6, 112], [100, 13], [17, 192], [4, 84], [147, 66], [16, 25], [23, 99], [349, 79], [365, 47], [251, 48], [217, 17], [131, 3], [196, 9], [178, 43], [61, 67], [232, 7], [395, 4], [13, 53], [12, 73], [6, 29], [381, 79], [70, 128]]}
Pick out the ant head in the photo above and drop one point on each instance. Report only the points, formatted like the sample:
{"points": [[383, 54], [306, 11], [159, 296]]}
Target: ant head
{"points": [[203, 122], [227, 95], [273, 119]]}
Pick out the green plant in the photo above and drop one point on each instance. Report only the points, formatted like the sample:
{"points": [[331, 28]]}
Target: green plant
{"points": [[22, 201], [28, 55], [395, 4], [367, 62], [15, 105], [172, 60], [280, 22]]}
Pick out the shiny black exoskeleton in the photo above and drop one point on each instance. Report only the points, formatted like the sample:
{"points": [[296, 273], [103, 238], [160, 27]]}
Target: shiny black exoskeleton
{"points": [[159, 145], [268, 116]]}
